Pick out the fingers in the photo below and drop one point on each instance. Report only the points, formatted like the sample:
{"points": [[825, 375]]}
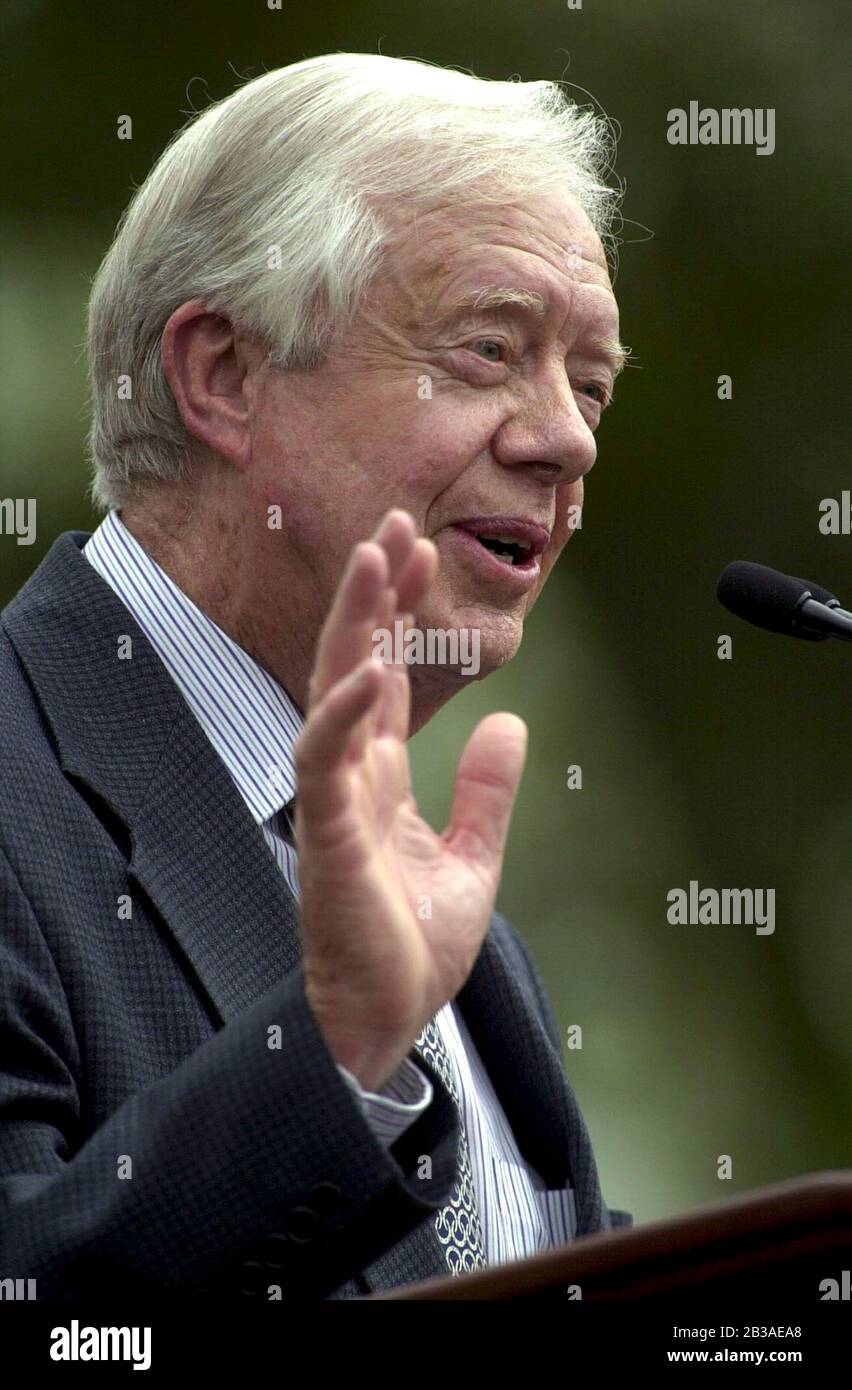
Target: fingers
{"points": [[323, 749], [486, 783], [393, 711], [417, 575], [393, 714], [353, 697], [384, 578], [396, 535], [345, 639]]}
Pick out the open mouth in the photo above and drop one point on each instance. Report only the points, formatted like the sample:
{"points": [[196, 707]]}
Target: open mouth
{"points": [[510, 551], [513, 542]]}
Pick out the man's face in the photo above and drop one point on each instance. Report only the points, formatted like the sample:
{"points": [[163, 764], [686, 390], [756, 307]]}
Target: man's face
{"points": [[477, 421]]}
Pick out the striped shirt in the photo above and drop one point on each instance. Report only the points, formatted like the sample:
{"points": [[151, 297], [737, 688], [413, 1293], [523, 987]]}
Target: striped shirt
{"points": [[252, 724]]}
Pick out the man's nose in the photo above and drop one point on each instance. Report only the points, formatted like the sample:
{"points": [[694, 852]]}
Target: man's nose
{"points": [[548, 433]]}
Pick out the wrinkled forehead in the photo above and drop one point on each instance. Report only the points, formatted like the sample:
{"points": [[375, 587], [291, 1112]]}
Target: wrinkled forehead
{"points": [[434, 251]]}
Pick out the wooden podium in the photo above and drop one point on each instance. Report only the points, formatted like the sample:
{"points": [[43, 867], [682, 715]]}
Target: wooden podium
{"points": [[777, 1243]]}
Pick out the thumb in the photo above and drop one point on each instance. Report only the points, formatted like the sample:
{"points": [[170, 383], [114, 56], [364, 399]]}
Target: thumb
{"points": [[484, 791]]}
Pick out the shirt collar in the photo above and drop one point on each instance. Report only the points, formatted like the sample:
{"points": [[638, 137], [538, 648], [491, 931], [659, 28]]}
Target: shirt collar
{"points": [[250, 720]]}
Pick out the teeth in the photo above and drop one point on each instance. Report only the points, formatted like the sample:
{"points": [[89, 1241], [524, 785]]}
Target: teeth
{"points": [[506, 540]]}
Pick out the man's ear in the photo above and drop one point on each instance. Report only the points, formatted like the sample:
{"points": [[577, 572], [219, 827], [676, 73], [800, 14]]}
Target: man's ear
{"points": [[207, 375]]}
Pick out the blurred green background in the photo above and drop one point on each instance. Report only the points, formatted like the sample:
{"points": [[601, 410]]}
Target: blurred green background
{"points": [[697, 1041]]}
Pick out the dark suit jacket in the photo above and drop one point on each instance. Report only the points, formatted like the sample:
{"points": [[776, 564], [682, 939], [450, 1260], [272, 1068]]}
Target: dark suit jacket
{"points": [[147, 1039]]}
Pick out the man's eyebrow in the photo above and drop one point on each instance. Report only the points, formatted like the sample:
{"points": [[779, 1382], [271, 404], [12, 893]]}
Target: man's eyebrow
{"points": [[614, 351], [496, 296], [513, 296]]}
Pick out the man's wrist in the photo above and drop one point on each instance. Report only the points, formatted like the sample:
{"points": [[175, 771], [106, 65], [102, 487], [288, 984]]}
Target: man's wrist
{"points": [[370, 1063]]}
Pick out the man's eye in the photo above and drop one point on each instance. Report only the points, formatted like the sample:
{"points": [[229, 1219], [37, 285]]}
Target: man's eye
{"points": [[490, 343], [602, 395]]}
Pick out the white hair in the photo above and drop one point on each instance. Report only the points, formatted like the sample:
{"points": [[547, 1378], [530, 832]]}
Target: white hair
{"points": [[267, 206]]}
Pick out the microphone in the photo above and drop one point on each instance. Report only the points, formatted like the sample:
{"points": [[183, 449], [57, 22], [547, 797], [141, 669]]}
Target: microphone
{"points": [[824, 596], [782, 603]]}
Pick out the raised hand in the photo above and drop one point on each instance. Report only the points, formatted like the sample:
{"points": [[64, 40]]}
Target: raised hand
{"points": [[392, 915]]}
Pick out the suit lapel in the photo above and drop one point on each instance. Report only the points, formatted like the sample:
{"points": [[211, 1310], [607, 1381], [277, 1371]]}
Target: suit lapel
{"points": [[539, 1102], [203, 861], [527, 1074], [123, 729]]}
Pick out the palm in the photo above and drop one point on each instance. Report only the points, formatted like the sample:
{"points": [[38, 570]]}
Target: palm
{"points": [[393, 914]]}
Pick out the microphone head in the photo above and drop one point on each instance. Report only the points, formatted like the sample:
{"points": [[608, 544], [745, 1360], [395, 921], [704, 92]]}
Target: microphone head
{"points": [[819, 593], [766, 598]]}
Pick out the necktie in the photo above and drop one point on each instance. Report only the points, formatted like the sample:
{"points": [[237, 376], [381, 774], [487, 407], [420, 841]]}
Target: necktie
{"points": [[286, 822], [457, 1224]]}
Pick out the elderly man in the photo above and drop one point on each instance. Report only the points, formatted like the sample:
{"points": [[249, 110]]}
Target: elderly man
{"points": [[262, 1030]]}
